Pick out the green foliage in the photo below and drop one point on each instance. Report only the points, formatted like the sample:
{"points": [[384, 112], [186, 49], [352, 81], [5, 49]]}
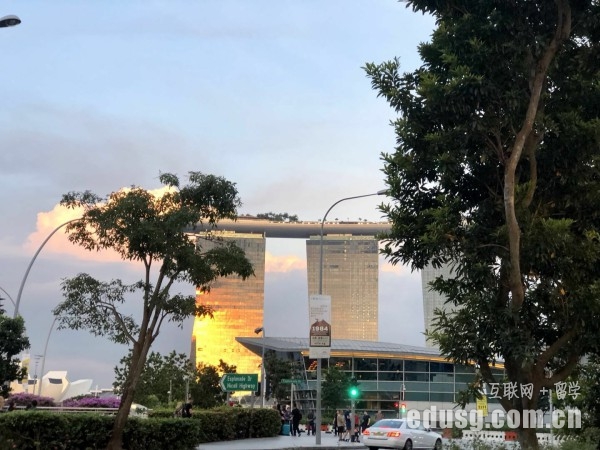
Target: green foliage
{"points": [[334, 389], [12, 342], [164, 373], [278, 217], [206, 390], [161, 373], [46, 430], [495, 175], [150, 230], [277, 370]]}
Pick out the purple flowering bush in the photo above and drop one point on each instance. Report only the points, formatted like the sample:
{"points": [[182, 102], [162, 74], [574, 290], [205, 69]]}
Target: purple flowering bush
{"points": [[93, 402], [24, 399]]}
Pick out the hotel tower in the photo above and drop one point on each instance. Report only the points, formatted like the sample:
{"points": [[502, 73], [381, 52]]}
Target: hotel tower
{"points": [[350, 276]]}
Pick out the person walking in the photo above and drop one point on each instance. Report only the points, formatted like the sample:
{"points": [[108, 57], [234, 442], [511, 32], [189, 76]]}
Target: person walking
{"points": [[365, 422], [187, 409], [311, 423], [296, 417], [378, 416], [340, 424], [347, 425]]}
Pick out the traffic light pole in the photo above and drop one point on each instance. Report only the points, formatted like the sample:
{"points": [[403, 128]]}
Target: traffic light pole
{"points": [[352, 417]]}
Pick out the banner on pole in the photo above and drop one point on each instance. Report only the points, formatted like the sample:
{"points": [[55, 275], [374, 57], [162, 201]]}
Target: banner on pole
{"points": [[319, 316]]}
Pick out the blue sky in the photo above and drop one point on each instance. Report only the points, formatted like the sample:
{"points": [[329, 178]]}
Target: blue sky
{"points": [[269, 94]]}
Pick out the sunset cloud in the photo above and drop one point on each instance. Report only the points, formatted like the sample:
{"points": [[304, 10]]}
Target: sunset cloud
{"points": [[51, 226], [283, 263]]}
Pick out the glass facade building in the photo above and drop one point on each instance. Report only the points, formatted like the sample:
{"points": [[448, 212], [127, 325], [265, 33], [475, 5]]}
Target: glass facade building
{"points": [[350, 275], [238, 309], [383, 371]]}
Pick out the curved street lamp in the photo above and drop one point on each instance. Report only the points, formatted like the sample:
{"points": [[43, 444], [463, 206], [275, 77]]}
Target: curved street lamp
{"points": [[318, 418], [18, 302], [9, 21]]}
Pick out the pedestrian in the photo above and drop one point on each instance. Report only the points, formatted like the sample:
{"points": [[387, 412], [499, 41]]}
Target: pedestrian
{"points": [[178, 409], [365, 421], [187, 409], [1, 404], [278, 408], [311, 423], [11, 406], [378, 416], [296, 417], [348, 425], [340, 424]]}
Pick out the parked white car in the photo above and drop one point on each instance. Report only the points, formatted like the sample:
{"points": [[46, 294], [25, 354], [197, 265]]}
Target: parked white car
{"points": [[400, 433]]}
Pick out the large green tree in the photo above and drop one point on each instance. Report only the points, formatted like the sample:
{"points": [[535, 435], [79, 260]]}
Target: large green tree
{"points": [[12, 342], [335, 390], [495, 174], [163, 377], [278, 369], [206, 390], [150, 230]]}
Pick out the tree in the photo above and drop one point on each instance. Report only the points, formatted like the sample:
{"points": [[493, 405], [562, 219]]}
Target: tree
{"points": [[278, 369], [278, 217], [495, 174], [334, 389], [161, 375], [206, 391], [150, 230], [12, 342]]}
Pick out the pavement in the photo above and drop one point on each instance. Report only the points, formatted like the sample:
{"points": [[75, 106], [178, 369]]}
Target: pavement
{"points": [[328, 442]]}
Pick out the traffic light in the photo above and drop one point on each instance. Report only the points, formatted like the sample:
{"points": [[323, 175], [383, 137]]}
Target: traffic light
{"points": [[353, 392], [403, 408], [396, 404]]}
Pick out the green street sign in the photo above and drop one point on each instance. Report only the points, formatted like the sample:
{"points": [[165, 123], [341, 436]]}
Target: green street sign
{"points": [[290, 381], [231, 382]]}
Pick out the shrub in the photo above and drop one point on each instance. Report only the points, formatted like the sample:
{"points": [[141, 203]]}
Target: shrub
{"points": [[24, 399], [93, 402]]}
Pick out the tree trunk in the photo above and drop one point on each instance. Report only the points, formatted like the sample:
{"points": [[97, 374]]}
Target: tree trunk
{"points": [[528, 438], [138, 359], [116, 438]]}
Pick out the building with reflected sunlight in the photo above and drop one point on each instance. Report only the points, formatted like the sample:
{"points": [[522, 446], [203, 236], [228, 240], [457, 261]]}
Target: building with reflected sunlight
{"points": [[350, 277], [238, 309]]}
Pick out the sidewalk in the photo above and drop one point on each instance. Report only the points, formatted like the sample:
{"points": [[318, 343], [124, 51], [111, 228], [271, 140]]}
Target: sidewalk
{"points": [[328, 442]]}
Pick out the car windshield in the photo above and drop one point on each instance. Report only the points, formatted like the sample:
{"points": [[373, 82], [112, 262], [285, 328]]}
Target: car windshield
{"points": [[387, 423]]}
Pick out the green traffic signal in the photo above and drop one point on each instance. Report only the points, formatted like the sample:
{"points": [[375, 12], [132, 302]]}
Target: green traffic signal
{"points": [[353, 392]]}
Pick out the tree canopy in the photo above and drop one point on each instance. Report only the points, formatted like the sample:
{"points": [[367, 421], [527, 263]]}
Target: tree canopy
{"points": [[148, 229], [278, 217], [12, 342], [495, 174]]}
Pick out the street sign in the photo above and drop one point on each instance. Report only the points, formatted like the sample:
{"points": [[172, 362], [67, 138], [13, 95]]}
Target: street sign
{"points": [[231, 382], [290, 381]]}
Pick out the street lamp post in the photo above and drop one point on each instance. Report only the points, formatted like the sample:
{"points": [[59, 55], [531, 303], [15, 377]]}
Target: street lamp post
{"points": [[263, 371], [18, 302], [44, 355], [319, 368]]}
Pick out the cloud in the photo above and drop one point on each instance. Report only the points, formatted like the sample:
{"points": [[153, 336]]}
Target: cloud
{"points": [[50, 233], [286, 263]]}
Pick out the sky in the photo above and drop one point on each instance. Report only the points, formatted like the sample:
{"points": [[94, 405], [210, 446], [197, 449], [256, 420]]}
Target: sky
{"points": [[270, 95]]}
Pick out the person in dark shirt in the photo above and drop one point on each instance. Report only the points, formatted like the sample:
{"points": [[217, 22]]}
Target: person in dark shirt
{"points": [[296, 417], [365, 422], [187, 410]]}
